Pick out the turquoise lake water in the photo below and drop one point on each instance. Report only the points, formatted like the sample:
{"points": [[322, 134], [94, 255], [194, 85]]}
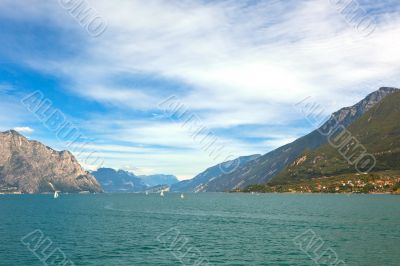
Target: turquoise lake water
{"points": [[213, 228]]}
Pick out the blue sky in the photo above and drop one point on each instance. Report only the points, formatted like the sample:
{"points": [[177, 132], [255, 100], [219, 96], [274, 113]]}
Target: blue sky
{"points": [[239, 66]]}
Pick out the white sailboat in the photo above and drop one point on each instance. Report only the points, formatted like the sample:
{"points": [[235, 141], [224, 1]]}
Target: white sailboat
{"points": [[56, 195], [162, 193], [147, 193], [182, 196]]}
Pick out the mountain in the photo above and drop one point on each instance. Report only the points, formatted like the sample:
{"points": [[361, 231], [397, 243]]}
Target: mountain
{"points": [[262, 169], [124, 181], [155, 180], [378, 131], [28, 166], [119, 180], [201, 182]]}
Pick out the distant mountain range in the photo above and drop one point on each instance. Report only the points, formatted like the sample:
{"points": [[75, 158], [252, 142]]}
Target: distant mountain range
{"points": [[28, 166], [155, 180], [124, 181], [118, 180], [206, 181]]}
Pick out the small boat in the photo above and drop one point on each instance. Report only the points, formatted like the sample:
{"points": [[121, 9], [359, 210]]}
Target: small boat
{"points": [[147, 193], [55, 191], [182, 197], [162, 193]]}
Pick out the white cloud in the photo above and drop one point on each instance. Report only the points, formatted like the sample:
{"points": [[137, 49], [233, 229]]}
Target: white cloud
{"points": [[24, 129], [231, 55], [240, 65], [235, 59], [157, 147]]}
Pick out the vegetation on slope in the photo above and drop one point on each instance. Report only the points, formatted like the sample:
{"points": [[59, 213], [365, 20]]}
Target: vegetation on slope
{"points": [[378, 131], [377, 182]]}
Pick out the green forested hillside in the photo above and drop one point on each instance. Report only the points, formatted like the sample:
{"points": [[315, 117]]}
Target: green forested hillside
{"points": [[378, 131]]}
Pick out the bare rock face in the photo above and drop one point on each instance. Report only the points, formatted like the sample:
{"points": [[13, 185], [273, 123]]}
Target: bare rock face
{"points": [[30, 166], [348, 115]]}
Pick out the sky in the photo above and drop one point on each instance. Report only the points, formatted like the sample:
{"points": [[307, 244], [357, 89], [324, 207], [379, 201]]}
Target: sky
{"points": [[235, 69]]}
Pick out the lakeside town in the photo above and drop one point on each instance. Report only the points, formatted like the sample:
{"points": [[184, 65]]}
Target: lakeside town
{"points": [[387, 182]]}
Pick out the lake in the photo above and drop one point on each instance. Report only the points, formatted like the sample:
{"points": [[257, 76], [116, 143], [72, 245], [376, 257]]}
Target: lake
{"points": [[201, 229]]}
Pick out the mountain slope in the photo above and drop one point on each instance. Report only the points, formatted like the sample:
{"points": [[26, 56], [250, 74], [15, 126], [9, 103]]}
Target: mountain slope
{"points": [[29, 166], [262, 169], [119, 180], [200, 183], [378, 131]]}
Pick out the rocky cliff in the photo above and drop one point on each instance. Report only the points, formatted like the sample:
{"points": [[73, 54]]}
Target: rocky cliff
{"points": [[31, 167]]}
